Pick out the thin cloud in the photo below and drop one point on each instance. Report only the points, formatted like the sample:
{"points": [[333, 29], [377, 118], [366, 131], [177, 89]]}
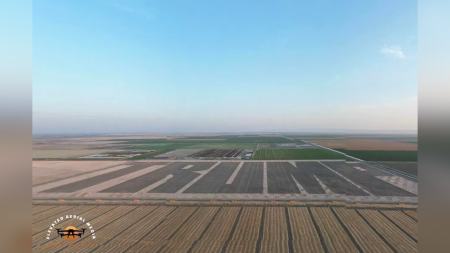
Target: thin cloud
{"points": [[392, 52], [135, 11]]}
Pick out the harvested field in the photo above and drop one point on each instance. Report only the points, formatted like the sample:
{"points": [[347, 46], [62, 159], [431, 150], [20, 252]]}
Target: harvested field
{"points": [[47, 171], [411, 168], [84, 183], [368, 179], [217, 153], [394, 236], [227, 227], [232, 180], [218, 145], [52, 154], [364, 144], [297, 154], [383, 156]]}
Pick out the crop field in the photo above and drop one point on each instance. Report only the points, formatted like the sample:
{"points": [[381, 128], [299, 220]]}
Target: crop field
{"points": [[383, 155], [365, 144], [231, 180], [296, 154], [148, 155], [47, 171], [40, 154], [244, 138], [227, 227], [218, 153], [411, 168]]}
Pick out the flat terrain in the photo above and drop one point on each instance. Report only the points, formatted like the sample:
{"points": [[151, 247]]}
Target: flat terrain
{"points": [[296, 154], [383, 156], [364, 144], [47, 171], [411, 168], [323, 180], [228, 227], [70, 153]]}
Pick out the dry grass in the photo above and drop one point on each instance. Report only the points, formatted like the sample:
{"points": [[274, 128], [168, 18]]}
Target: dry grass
{"points": [[52, 154], [47, 171], [364, 144], [129, 227]]}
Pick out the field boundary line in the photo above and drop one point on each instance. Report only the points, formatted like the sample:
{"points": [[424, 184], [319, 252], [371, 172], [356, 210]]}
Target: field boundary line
{"points": [[204, 231], [146, 234], [299, 186], [125, 229], [403, 211], [395, 224], [202, 174], [179, 227], [153, 186], [376, 231], [118, 180], [83, 173], [44, 210], [364, 190], [261, 231], [352, 238], [322, 240], [236, 171], [289, 230], [233, 229], [76, 178], [265, 184]]}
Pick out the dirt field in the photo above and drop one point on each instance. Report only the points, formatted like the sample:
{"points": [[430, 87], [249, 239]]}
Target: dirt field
{"points": [[46, 171], [407, 167], [227, 227], [364, 144], [40, 154], [226, 180]]}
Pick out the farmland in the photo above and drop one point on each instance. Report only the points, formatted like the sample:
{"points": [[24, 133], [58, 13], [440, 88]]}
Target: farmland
{"points": [[324, 180], [144, 156], [296, 154], [383, 155], [229, 227], [411, 168]]}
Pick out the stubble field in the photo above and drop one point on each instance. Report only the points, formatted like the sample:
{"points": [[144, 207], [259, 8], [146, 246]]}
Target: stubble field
{"points": [[230, 227]]}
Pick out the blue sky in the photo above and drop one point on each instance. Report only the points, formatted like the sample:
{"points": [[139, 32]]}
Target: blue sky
{"points": [[207, 66]]}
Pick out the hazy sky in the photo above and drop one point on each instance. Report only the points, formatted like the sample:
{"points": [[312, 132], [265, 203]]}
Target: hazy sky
{"points": [[207, 66]]}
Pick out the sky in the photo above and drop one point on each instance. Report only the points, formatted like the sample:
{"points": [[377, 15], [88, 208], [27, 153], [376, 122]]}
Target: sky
{"points": [[107, 66]]}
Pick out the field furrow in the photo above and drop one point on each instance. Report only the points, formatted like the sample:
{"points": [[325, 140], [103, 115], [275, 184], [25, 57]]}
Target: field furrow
{"points": [[275, 234], [335, 237], [364, 236], [406, 223], [137, 231], [413, 214], [304, 234], [156, 238], [399, 240], [191, 231], [114, 229], [49, 214], [97, 224], [39, 209], [215, 237], [247, 231]]}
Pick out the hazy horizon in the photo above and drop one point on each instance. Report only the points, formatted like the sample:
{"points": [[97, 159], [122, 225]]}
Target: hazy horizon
{"points": [[198, 66]]}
